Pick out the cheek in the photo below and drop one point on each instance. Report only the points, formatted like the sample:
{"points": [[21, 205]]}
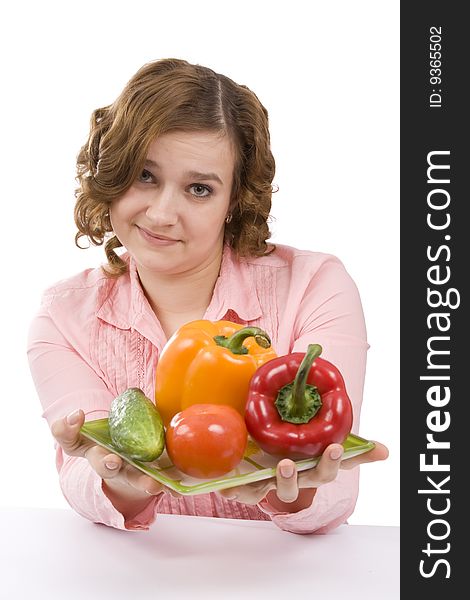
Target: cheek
{"points": [[123, 209], [115, 218], [206, 226]]}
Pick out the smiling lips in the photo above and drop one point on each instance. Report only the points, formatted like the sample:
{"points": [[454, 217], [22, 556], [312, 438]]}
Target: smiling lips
{"points": [[156, 240]]}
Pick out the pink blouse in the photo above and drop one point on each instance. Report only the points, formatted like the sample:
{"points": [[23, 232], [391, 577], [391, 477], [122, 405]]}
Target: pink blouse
{"points": [[93, 337]]}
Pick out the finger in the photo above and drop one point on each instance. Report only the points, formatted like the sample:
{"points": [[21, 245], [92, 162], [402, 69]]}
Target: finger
{"points": [[228, 494], [326, 469], [379, 452], [153, 488], [112, 466], [250, 493], [144, 483], [106, 464], [67, 433], [287, 489], [167, 490]]}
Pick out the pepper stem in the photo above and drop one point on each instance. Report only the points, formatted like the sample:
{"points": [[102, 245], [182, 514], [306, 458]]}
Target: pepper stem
{"points": [[300, 381], [298, 401], [234, 343]]}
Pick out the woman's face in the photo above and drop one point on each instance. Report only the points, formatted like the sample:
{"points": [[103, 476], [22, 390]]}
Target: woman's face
{"points": [[171, 220]]}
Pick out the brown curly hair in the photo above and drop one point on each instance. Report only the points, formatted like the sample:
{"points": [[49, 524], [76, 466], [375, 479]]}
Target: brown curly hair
{"points": [[170, 95]]}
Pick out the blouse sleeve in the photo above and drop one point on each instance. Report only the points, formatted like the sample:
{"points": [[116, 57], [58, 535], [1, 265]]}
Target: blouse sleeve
{"points": [[64, 383], [331, 315]]}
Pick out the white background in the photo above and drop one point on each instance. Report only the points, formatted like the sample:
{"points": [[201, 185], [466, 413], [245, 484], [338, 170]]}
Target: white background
{"points": [[328, 73]]}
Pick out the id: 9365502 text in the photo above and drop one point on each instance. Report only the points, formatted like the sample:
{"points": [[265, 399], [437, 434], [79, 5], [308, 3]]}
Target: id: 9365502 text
{"points": [[435, 67]]}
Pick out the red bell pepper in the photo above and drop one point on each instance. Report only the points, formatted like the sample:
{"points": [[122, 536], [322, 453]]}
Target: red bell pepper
{"points": [[297, 405]]}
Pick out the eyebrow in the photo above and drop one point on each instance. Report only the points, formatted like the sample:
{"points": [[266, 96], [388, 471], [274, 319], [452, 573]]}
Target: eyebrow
{"points": [[192, 174]]}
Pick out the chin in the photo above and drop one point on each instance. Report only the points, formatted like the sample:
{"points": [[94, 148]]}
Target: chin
{"points": [[164, 264]]}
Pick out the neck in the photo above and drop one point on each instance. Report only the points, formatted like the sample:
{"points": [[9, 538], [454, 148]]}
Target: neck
{"points": [[180, 294]]}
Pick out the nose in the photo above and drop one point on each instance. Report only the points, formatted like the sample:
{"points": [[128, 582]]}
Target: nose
{"points": [[162, 208]]}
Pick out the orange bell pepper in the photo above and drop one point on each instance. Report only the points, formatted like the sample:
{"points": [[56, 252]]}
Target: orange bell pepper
{"points": [[209, 362]]}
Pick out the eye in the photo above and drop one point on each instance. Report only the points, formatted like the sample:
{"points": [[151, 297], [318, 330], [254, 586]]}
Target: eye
{"points": [[145, 176], [201, 188]]}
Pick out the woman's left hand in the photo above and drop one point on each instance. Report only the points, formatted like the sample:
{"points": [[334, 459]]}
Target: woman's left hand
{"points": [[288, 483]]}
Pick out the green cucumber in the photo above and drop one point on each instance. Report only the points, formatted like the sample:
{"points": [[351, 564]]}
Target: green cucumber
{"points": [[135, 426]]}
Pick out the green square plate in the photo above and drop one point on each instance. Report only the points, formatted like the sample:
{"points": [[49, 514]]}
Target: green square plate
{"points": [[255, 465]]}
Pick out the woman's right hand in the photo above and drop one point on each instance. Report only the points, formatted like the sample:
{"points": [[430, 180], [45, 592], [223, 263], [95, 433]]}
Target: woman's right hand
{"points": [[116, 472]]}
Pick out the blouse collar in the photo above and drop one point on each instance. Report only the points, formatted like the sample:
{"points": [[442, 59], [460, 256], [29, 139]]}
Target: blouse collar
{"points": [[125, 305]]}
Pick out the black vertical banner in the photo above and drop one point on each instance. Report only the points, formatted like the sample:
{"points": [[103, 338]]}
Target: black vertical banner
{"points": [[434, 259]]}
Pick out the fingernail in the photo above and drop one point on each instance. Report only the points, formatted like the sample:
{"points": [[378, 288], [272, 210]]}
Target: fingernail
{"points": [[73, 417], [111, 466], [287, 470], [336, 453]]}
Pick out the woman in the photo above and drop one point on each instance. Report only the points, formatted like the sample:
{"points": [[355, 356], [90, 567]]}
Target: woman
{"points": [[178, 172]]}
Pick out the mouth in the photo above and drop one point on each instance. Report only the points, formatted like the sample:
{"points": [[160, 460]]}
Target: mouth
{"points": [[156, 236]]}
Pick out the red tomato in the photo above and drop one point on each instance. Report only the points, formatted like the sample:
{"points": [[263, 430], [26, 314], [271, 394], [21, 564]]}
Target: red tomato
{"points": [[206, 440]]}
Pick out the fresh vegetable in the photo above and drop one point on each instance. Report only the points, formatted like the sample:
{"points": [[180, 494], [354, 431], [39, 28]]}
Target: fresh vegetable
{"points": [[209, 362], [135, 426], [206, 440], [298, 405]]}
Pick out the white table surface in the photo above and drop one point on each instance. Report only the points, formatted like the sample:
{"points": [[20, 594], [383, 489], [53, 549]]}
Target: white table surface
{"points": [[48, 553]]}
